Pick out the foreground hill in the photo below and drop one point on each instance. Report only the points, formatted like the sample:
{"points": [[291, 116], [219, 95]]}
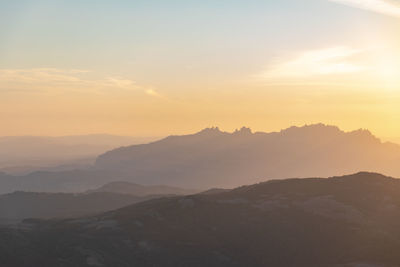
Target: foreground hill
{"points": [[212, 158], [342, 221]]}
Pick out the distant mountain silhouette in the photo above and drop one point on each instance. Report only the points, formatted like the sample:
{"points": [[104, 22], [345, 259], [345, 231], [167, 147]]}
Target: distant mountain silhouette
{"points": [[212, 158], [345, 221], [121, 187]]}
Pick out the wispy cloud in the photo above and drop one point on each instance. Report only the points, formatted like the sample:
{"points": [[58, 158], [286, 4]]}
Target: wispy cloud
{"points": [[336, 60], [387, 7], [50, 79], [39, 75], [152, 93], [341, 66], [120, 83]]}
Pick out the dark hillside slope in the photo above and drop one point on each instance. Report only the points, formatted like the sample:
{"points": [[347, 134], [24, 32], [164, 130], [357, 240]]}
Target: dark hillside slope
{"points": [[343, 221]]}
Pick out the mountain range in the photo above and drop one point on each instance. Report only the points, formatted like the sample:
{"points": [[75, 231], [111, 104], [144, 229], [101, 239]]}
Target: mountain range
{"points": [[213, 158], [348, 221]]}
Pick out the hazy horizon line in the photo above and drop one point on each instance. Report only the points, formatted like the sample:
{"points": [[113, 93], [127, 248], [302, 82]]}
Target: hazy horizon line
{"points": [[104, 134]]}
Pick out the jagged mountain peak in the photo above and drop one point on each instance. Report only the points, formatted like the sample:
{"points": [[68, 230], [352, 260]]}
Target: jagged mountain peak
{"points": [[210, 131], [364, 134], [243, 131], [313, 128]]}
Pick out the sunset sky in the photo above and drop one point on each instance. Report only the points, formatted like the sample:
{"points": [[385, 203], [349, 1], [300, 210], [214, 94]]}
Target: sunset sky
{"points": [[153, 68]]}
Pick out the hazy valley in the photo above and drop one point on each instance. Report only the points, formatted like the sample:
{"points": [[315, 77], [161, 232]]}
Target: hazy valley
{"points": [[24, 154]]}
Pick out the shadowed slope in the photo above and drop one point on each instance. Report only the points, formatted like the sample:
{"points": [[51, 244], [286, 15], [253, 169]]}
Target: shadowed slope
{"points": [[341, 221]]}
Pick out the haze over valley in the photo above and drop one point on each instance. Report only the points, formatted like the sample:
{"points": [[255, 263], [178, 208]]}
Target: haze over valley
{"points": [[25, 154]]}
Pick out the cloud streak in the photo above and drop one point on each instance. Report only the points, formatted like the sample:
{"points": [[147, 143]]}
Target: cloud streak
{"points": [[387, 7], [50, 79], [323, 62]]}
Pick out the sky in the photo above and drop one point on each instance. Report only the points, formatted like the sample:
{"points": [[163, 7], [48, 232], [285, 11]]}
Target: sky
{"points": [[154, 68]]}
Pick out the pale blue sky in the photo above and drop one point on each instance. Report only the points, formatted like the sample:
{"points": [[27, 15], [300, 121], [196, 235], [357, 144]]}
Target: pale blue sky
{"points": [[190, 54], [128, 37]]}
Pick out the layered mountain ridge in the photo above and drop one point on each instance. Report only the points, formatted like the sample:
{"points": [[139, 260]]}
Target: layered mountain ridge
{"points": [[213, 158]]}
